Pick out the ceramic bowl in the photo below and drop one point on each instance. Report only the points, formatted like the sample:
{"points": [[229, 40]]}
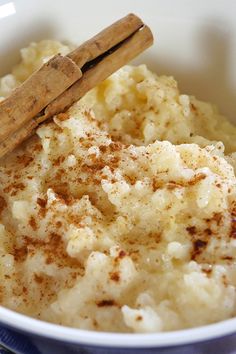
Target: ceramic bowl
{"points": [[195, 41]]}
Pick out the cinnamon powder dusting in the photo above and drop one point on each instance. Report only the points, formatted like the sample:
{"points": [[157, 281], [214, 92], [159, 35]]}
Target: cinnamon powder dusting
{"points": [[3, 204], [233, 220], [53, 249], [14, 188], [115, 276], [198, 247], [41, 202], [104, 303], [106, 215], [33, 224]]}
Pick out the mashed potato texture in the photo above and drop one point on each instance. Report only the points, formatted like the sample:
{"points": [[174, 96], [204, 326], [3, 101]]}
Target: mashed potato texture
{"points": [[120, 214]]}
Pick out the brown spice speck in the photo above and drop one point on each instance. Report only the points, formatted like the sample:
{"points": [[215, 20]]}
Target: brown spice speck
{"points": [[14, 188], [192, 230], [104, 303], [208, 271], [155, 184], [49, 260], [197, 178], [3, 204], [33, 224], [217, 217], [198, 246], [52, 247], [208, 231], [20, 254], [116, 146], [41, 202], [25, 290], [115, 276], [95, 323], [172, 185], [139, 318], [58, 160], [38, 278], [25, 159], [58, 224], [122, 254], [37, 147], [228, 258], [224, 280], [103, 148], [233, 227]]}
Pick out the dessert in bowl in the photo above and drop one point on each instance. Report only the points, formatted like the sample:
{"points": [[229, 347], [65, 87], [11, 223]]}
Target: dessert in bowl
{"points": [[118, 215]]}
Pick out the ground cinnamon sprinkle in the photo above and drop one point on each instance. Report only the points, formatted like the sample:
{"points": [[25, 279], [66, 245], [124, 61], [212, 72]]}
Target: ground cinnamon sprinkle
{"points": [[192, 230], [38, 278], [25, 290], [193, 106], [199, 177], [155, 184], [52, 247], [58, 160], [207, 271], [25, 159], [58, 224], [208, 231], [216, 217], [20, 254], [3, 204], [61, 191], [112, 216], [42, 202], [115, 276], [172, 185], [233, 227], [33, 223], [198, 247], [14, 188], [122, 254], [131, 179], [227, 258], [116, 146], [37, 147], [103, 148], [104, 303]]}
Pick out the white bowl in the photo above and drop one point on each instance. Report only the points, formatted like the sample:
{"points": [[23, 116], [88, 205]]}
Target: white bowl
{"points": [[195, 41]]}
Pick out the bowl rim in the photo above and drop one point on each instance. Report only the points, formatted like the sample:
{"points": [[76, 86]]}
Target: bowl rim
{"points": [[37, 327]]}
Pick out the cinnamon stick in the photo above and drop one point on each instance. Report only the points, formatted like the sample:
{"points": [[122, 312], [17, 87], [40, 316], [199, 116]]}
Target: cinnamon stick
{"points": [[38, 91], [58, 84], [18, 137], [106, 39], [133, 46]]}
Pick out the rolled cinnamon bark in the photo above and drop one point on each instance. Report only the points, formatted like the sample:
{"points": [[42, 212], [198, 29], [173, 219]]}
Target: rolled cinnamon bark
{"points": [[134, 45], [64, 80], [37, 92], [106, 39]]}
